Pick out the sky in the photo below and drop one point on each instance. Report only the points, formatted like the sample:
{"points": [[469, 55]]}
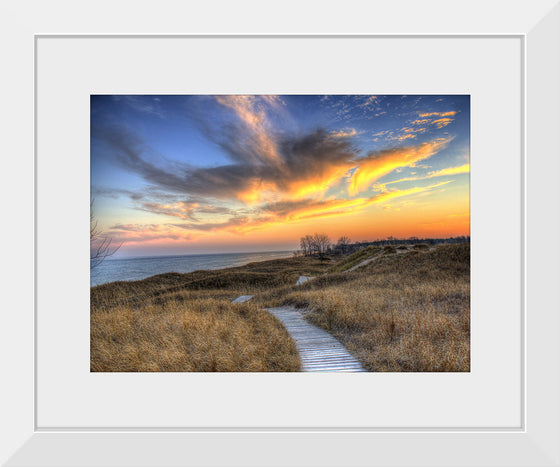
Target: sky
{"points": [[196, 174]]}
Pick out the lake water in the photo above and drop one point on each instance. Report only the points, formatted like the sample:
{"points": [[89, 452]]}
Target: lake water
{"points": [[131, 269]]}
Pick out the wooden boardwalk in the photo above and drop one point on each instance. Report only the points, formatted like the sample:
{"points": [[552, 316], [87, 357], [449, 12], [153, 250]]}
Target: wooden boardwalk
{"points": [[242, 299], [318, 350]]}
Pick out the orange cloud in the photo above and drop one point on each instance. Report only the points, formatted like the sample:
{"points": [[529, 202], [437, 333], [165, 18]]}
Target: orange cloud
{"points": [[266, 218], [404, 137], [440, 123], [438, 114], [318, 184], [414, 130], [371, 169], [388, 195], [348, 133], [267, 166], [420, 122], [256, 191], [131, 234], [293, 193], [466, 168], [326, 208], [302, 210], [341, 207], [370, 100], [251, 110], [308, 166]]}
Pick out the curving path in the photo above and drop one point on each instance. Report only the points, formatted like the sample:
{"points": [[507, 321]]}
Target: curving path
{"points": [[318, 350], [373, 258], [363, 263]]}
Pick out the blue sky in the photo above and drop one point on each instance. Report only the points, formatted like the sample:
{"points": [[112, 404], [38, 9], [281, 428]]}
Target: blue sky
{"points": [[175, 174]]}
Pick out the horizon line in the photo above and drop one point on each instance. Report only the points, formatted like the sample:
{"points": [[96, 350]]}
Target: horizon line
{"points": [[292, 250]]}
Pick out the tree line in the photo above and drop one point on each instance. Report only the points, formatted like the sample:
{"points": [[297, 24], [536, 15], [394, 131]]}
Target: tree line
{"points": [[319, 244]]}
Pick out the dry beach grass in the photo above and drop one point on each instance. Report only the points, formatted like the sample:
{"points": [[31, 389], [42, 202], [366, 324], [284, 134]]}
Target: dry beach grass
{"points": [[206, 335], [406, 310], [401, 312], [186, 322]]}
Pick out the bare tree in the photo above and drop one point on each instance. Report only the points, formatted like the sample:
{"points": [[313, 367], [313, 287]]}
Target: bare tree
{"points": [[321, 244], [307, 246], [317, 244], [99, 245], [304, 246]]}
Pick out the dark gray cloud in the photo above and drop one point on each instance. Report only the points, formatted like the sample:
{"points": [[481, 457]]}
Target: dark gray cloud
{"points": [[135, 227], [116, 193], [190, 209], [299, 159], [130, 152], [156, 208], [284, 208]]}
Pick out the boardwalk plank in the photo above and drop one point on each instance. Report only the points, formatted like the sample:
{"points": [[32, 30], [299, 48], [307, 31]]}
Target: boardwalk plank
{"points": [[318, 350]]}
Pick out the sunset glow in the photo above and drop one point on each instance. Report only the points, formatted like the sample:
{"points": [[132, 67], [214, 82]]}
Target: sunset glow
{"points": [[202, 174]]}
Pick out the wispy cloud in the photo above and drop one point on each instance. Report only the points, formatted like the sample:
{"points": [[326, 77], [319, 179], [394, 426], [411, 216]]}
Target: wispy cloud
{"points": [[404, 137], [466, 168], [422, 121], [277, 213], [254, 142], [346, 133], [370, 100], [174, 210], [115, 193], [441, 122], [451, 113], [231, 224], [434, 119], [413, 130], [144, 104], [381, 163], [143, 233]]}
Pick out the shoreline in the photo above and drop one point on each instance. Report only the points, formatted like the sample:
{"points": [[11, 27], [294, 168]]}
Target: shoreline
{"points": [[181, 261], [199, 254]]}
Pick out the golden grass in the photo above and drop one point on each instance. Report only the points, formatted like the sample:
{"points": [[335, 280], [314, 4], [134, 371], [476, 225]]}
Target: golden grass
{"points": [[186, 322], [401, 312], [201, 335], [407, 312]]}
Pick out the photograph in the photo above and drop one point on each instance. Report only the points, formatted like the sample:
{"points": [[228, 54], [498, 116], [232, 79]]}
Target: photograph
{"points": [[280, 233]]}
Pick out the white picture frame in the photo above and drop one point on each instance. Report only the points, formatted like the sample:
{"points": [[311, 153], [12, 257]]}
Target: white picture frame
{"points": [[534, 442]]}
